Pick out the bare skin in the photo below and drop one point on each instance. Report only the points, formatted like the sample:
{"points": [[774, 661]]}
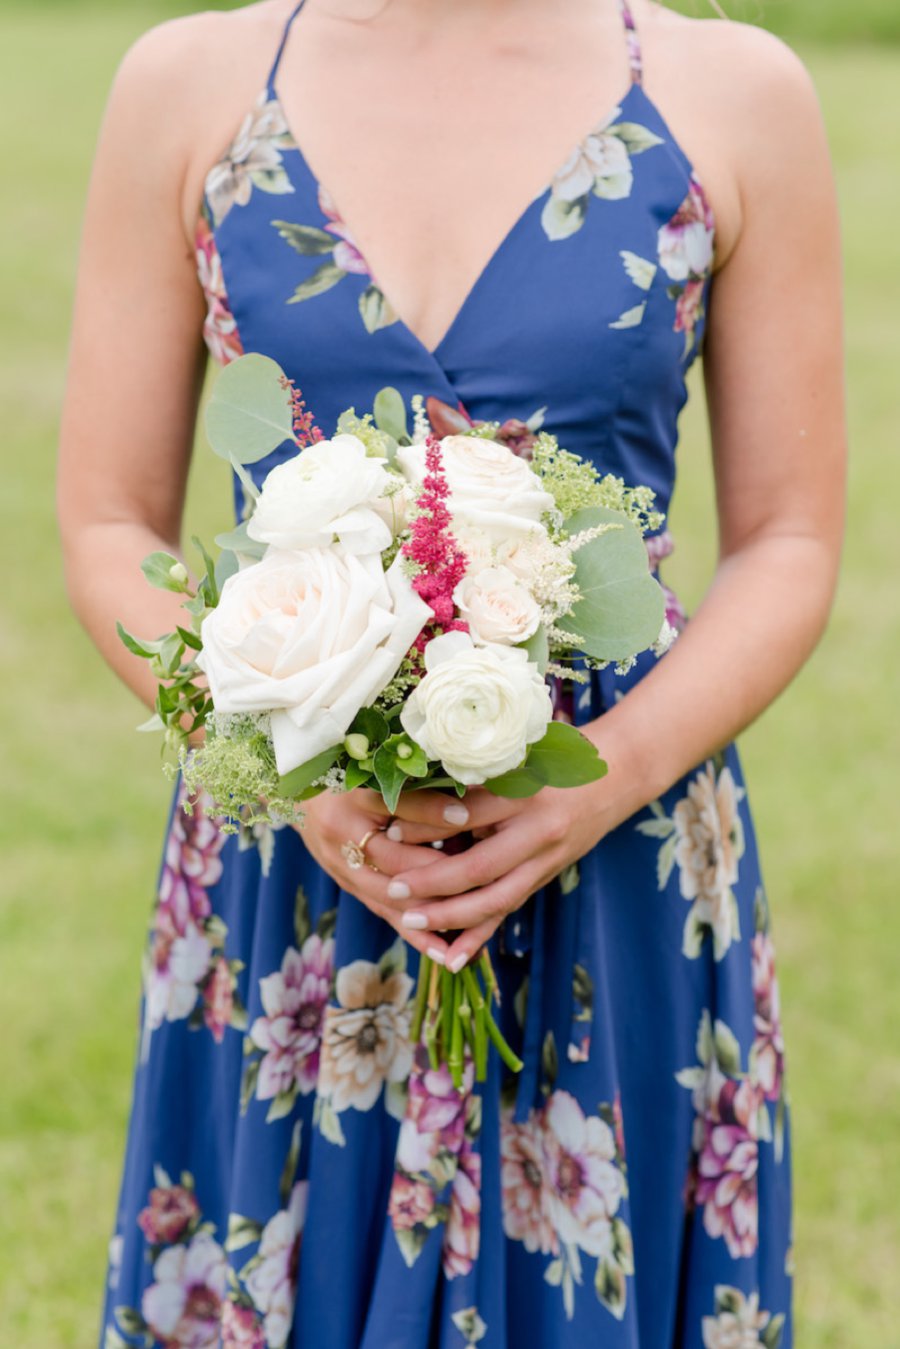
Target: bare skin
{"points": [[742, 107]]}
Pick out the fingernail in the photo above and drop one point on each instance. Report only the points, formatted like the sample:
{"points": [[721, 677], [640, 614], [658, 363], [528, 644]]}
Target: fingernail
{"points": [[398, 890], [414, 920], [436, 955], [395, 833], [456, 814], [437, 843], [456, 964]]}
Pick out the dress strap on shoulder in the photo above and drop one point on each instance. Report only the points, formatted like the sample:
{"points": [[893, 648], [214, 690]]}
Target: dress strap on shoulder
{"points": [[270, 83], [635, 56]]}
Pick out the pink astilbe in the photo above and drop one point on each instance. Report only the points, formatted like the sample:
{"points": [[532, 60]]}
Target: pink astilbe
{"points": [[305, 431], [440, 561]]}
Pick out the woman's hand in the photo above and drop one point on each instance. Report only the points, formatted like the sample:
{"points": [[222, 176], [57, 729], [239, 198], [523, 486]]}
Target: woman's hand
{"points": [[524, 844], [334, 819]]}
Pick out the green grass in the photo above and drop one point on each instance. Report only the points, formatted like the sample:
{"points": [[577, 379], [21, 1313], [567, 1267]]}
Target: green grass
{"points": [[83, 801]]}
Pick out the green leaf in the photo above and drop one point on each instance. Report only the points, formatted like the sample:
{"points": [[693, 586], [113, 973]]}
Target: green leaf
{"points": [[154, 723], [241, 1232], [226, 565], [549, 1059], [609, 1285], [375, 309], [390, 413], [305, 239], [357, 776], [538, 648], [771, 1336], [622, 606], [728, 1051], [561, 219], [297, 781], [190, 639], [322, 279], [282, 1104], [390, 777], [288, 1174], [250, 412], [157, 568], [565, 757], [370, 723], [302, 923], [141, 646], [237, 540], [130, 1320], [634, 137], [410, 1240], [632, 318], [516, 785]]}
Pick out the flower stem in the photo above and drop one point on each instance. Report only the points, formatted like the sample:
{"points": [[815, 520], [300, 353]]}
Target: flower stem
{"points": [[448, 997], [455, 1055], [421, 1001], [510, 1058], [479, 1046]]}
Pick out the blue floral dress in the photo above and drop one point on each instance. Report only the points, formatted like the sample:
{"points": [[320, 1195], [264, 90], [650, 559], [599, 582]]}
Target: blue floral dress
{"points": [[296, 1175]]}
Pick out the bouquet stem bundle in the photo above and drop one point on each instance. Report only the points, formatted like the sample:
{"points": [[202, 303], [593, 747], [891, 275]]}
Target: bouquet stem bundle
{"points": [[454, 1010]]}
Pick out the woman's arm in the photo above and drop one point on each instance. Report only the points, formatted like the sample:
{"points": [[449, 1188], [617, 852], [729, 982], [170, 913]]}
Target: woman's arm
{"points": [[774, 374]]}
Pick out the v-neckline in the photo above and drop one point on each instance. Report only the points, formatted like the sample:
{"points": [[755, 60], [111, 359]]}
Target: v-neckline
{"points": [[321, 188]]}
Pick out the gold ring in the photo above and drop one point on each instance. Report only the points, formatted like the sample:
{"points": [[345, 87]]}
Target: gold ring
{"points": [[354, 854]]}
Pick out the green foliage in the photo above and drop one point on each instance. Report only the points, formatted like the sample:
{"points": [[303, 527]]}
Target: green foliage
{"points": [[562, 758], [622, 606], [575, 483], [249, 413], [239, 768]]}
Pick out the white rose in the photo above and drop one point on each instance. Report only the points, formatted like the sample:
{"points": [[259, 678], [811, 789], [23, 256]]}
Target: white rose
{"points": [[496, 606], [329, 489], [477, 709], [476, 545], [490, 487], [531, 557], [311, 636]]}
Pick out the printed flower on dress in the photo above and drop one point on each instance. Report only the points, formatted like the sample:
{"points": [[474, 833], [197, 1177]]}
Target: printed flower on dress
{"points": [[600, 165], [288, 1035], [767, 1050], [365, 1043], [241, 1327], [252, 160], [220, 328], [436, 1150], [731, 1117], [183, 1306], [341, 256], [562, 1188], [186, 974], [686, 248], [704, 836], [739, 1323], [470, 1326]]}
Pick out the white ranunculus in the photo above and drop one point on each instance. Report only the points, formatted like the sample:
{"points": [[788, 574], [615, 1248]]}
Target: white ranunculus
{"points": [[311, 636], [330, 489], [478, 708], [497, 607], [491, 488]]}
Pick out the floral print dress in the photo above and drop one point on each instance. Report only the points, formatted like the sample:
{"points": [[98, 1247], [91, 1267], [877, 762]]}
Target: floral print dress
{"points": [[296, 1174]]}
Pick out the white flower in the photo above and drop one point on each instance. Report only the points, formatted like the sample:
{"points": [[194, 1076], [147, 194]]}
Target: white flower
{"points": [[312, 636], [272, 1283], [477, 546], [496, 607], [491, 488], [477, 709], [328, 490], [599, 164], [183, 1306]]}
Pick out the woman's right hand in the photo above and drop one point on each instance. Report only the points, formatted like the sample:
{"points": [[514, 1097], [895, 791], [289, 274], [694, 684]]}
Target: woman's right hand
{"points": [[332, 819]]}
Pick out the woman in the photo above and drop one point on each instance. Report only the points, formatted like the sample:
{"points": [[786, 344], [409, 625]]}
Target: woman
{"points": [[536, 208]]}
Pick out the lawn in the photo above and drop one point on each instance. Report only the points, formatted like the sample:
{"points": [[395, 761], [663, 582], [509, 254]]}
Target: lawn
{"points": [[84, 802]]}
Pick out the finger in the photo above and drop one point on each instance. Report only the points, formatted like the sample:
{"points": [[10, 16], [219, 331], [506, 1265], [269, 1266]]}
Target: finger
{"points": [[487, 809], [421, 807], [472, 910], [478, 866], [405, 831], [465, 948], [391, 857], [366, 891]]}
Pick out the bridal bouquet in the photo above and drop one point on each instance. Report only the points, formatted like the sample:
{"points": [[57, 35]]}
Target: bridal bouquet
{"points": [[387, 615]]}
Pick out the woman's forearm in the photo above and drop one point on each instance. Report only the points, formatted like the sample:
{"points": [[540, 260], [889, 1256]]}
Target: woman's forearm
{"points": [[105, 584], [761, 618]]}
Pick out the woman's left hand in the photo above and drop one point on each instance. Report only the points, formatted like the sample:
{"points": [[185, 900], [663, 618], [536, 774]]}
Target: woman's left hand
{"points": [[523, 845]]}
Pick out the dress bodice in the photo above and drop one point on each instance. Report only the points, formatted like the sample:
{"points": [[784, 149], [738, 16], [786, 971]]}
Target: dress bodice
{"points": [[592, 306]]}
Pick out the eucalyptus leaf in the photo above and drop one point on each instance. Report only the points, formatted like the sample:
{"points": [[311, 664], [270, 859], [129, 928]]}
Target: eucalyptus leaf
{"points": [[390, 413], [140, 646], [237, 540], [226, 565], [299, 779], [538, 648], [250, 412], [622, 605], [157, 568]]}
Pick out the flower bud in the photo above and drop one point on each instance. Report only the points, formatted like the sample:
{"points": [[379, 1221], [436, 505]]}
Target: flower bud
{"points": [[178, 573], [404, 750], [356, 745]]}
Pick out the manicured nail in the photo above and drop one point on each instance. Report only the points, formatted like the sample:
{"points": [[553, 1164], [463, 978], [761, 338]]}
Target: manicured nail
{"points": [[457, 963], [437, 843], [436, 955], [395, 833], [456, 814], [417, 920], [398, 890]]}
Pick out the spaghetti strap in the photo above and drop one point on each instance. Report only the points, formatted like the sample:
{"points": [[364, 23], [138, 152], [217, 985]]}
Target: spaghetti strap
{"points": [[635, 57], [270, 83]]}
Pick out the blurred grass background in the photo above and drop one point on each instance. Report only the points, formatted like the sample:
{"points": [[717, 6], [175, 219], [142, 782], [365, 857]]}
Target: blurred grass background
{"points": [[84, 802]]}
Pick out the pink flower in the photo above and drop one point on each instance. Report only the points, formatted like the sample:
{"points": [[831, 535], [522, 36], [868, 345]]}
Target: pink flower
{"points": [[517, 435], [525, 1198], [725, 1182], [192, 851], [346, 253], [219, 328], [411, 1202], [685, 244], [435, 1115], [432, 547], [461, 1235], [688, 307], [183, 1306], [290, 1033], [179, 960], [218, 999], [272, 1283], [584, 1183], [171, 1211], [769, 1042], [241, 1328]]}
